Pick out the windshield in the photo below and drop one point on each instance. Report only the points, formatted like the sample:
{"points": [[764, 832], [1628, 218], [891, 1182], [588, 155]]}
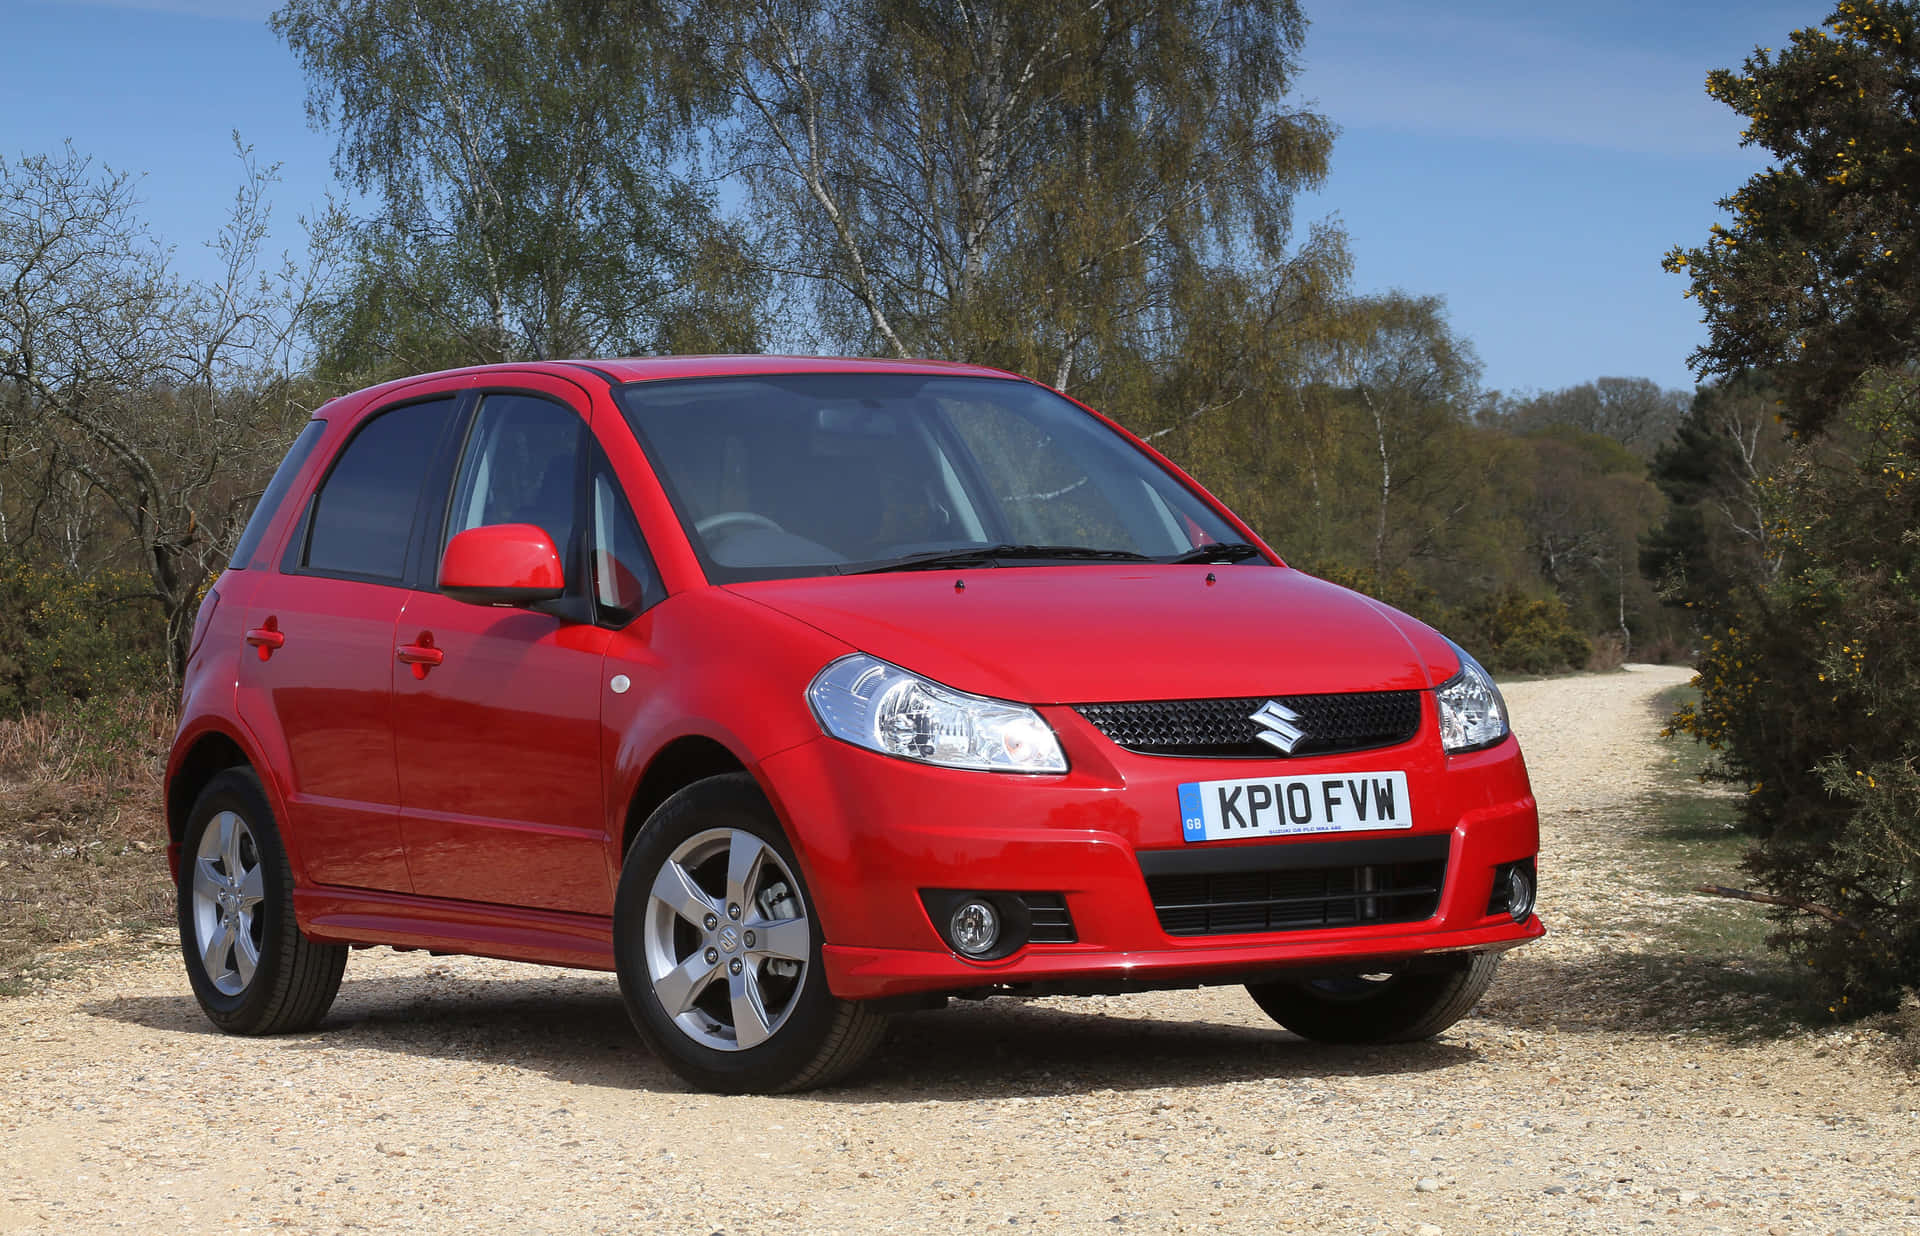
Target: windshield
{"points": [[823, 473]]}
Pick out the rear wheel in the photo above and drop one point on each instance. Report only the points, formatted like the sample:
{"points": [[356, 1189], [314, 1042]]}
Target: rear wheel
{"points": [[1377, 1006], [251, 968], [718, 951]]}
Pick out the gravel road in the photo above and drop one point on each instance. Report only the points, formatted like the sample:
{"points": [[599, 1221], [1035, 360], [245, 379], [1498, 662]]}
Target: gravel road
{"points": [[1598, 1089]]}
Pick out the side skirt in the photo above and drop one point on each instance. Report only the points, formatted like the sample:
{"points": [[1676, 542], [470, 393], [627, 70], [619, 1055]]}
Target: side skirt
{"points": [[547, 937]]}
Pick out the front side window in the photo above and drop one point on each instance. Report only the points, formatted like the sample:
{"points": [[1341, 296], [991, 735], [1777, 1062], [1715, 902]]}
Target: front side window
{"points": [[363, 515], [522, 466], [813, 474]]}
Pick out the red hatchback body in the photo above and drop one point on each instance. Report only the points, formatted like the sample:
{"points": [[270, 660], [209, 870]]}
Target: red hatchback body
{"points": [[800, 690]]}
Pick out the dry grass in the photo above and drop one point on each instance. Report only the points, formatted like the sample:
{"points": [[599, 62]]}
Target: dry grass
{"points": [[1903, 1025], [1609, 653], [82, 834]]}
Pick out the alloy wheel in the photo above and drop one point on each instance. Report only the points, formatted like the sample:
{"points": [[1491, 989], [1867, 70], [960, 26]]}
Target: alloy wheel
{"points": [[727, 939], [228, 887]]}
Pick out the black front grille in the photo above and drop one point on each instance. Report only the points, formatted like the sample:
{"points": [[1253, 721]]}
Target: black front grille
{"points": [[1051, 922], [1295, 887], [1224, 728]]}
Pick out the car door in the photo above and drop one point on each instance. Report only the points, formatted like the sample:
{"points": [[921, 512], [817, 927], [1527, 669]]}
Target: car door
{"points": [[318, 673], [497, 710]]}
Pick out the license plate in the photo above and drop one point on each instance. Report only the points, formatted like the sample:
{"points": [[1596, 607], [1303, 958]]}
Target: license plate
{"points": [[1287, 806]]}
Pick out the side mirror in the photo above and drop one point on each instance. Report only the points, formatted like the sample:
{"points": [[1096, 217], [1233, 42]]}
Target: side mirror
{"points": [[502, 564]]}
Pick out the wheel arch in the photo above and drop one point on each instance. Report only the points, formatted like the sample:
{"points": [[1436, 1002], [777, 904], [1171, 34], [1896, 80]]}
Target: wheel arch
{"points": [[212, 752], [683, 761]]}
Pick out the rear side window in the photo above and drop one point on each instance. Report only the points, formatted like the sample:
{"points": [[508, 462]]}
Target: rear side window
{"points": [[363, 515], [276, 493]]}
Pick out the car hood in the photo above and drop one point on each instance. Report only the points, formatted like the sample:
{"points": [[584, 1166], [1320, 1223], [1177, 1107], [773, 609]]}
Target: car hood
{"points": [[1095, 633]]}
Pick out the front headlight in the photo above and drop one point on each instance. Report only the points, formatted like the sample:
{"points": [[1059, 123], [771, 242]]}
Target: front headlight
{"points": [[865, 701], [1472, 714]]}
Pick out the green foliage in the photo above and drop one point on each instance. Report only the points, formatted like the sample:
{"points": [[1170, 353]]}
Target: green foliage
{"points": [[1049, 186], [1634, 412], [1510, 632], [1717, 535], [528, 158], [1587, 502], [1810, 696], [63, 638], [1815, 281]]}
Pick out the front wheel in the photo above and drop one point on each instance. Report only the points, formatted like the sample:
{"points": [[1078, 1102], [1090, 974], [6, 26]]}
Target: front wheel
{"points": [[251, 968], [1377, 1007], [718, 951]]}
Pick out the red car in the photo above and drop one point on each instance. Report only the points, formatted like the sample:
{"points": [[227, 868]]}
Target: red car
{"points": [[796, 691]]}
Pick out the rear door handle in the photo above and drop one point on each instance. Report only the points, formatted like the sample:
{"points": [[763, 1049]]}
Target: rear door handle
{"points": [[421, 655], [267, 638]]}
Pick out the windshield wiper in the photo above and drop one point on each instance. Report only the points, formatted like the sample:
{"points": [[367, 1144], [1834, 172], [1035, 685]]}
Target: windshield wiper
{"points": [[987, 555], [1224, 551]]}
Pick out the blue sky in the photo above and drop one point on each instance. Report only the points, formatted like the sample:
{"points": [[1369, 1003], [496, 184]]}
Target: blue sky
{"points": [[1528, 162]]}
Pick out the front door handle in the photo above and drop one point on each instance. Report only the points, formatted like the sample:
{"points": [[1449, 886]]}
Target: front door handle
{"points": [[421, 654], [267, 638]]}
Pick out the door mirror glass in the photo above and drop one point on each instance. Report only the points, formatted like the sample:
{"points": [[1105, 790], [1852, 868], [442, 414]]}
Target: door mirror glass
{"points": [[502, 564]]}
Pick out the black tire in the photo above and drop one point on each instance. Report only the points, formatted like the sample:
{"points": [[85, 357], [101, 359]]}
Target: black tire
{"points": [[285, 982], [1369, 1008], [811, 1038]]}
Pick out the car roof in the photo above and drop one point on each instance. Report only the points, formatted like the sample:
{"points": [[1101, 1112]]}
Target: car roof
{"points": [[620, 370], [654, 368]]}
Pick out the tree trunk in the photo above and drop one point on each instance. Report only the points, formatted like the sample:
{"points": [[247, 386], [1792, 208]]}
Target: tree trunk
{"points": [[1386, 488]]}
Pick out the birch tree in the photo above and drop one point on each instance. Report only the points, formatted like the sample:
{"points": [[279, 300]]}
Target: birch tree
{"points": [[526, 160], [1035, 185]]}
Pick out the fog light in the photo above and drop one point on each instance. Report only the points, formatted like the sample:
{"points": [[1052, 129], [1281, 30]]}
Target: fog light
{"points": [[1519, 893], [974, 927]]}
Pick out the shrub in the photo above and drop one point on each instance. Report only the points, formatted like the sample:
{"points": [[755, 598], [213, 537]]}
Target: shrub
{"points": [[67, 638], [1512, 633], [1810, 697]]}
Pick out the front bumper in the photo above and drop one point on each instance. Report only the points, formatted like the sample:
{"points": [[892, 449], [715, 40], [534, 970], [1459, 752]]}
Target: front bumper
{"points": [[871, 832]]}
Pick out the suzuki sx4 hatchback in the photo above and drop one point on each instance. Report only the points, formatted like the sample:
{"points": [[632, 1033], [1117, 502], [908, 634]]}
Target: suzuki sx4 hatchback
{"points": [[799, 691]]}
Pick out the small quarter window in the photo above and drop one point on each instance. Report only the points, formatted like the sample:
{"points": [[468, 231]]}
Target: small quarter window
{"points": [[276, 493], [624, 581], [363, 515]]}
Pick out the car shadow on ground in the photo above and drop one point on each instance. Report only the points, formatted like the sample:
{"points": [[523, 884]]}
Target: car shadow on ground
{"points": [[1739, 999], [1015, 1047], [574, 1028]]}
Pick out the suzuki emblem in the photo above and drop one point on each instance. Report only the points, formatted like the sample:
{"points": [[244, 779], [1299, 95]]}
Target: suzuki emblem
{"points": [[1277, 726]]}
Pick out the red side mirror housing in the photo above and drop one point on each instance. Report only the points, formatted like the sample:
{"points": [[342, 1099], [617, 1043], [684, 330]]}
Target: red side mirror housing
{"points": [[502, 564]]}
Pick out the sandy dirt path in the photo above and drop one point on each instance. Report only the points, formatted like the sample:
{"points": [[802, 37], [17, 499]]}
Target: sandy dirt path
{"points": [[1594, 1091]]}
